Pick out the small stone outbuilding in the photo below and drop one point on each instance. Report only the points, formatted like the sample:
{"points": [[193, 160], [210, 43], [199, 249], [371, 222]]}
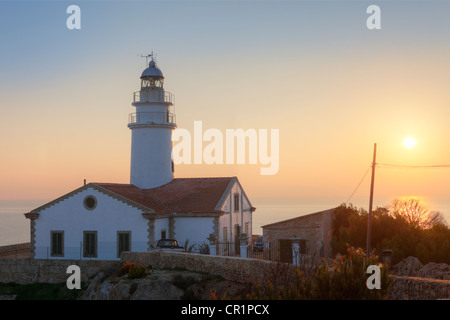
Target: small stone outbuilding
{"points": [[311, 233]]}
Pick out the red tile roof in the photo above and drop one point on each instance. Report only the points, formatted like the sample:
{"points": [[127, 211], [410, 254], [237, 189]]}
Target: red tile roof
{"points": [[181, 195]]}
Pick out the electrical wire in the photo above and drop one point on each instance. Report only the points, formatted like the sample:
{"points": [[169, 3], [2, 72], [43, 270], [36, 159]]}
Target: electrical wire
{"points": [[394, 166], [404, 166], [359, 184]]}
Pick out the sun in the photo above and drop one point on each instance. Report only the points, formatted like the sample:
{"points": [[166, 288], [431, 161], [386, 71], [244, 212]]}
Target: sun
{"points": [[409, 142]]}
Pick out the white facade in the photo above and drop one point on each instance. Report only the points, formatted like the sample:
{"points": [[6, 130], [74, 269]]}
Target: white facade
{"points": [[111, 214], [72, 218], [234, 222], [196, 230]]}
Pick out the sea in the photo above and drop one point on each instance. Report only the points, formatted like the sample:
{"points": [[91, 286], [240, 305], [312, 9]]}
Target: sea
{"points": [[15, 228]]}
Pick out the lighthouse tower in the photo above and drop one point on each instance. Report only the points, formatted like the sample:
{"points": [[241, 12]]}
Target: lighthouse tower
{"points": [[151, 131]]}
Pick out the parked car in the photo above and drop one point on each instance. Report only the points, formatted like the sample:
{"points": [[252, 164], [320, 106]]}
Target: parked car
{"points": [[258, 245], [168, 245]]}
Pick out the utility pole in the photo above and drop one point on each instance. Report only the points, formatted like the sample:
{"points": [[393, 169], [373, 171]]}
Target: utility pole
{"points": [[369, 219]]}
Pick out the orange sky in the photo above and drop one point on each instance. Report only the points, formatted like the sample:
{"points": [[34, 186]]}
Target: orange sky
{"points": [[332, 93], [327, 127]]}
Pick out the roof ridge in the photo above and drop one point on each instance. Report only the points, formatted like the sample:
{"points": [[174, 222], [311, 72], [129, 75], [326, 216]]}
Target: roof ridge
{"points": [[147, 194], [308, 215], [142, 192]]}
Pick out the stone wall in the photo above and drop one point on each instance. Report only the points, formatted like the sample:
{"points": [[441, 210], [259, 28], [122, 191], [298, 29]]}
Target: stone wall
{"points": [[250, 270], [26, 271], [231, 268], [15, 250], [412, 288]]}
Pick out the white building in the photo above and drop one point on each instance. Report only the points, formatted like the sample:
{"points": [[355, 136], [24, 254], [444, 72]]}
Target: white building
{"points": [[100, 220]]}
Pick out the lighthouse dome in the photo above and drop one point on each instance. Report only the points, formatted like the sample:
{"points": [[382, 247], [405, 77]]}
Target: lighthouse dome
{"points": [[152, 71]]}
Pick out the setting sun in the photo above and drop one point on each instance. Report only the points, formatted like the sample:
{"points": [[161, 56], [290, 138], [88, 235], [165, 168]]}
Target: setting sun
{"points": [[409, 142]]}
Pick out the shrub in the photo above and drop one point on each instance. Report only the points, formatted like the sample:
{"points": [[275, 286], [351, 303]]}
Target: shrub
{"points": [[137, 272], [203, 248], [348, 279], [345, 281], [133, 270]]}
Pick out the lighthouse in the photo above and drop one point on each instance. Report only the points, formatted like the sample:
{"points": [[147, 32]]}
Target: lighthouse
{"points": [[153, 206], [151, 131]]}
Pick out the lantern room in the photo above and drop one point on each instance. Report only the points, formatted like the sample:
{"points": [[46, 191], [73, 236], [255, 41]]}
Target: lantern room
{"points": [[152, 77]]}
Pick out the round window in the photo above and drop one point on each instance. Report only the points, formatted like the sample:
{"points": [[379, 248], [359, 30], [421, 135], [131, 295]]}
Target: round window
{"points": [[90, 202]]}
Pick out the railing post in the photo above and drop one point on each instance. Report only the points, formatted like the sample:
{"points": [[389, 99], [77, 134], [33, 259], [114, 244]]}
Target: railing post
{"points": [[243, 245], [212, 244]]}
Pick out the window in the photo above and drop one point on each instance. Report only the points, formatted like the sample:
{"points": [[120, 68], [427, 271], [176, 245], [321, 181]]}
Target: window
{"points": [[57, 243], [225, 234], [90, 202], [163, 234], [123, 242], [236, 202], [90, 244]]}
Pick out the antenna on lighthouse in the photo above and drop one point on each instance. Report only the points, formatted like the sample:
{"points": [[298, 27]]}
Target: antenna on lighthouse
{"points": [[151, 55]]}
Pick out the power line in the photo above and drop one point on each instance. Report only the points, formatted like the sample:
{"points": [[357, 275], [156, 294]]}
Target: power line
{"points": [[405, 166], [359, 184], [394, 166]]}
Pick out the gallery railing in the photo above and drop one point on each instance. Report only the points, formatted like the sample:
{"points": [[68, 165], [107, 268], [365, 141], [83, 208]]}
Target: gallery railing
{"points": [[153, 96], [151, 117]]}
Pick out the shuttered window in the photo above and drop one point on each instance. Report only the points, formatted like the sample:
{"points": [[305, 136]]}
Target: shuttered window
{"points": [[57, 243], [236, 202], [90, 244], [123, 242]]}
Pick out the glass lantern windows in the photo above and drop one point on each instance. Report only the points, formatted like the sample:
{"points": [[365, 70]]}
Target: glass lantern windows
{"points": [[151, 83]]}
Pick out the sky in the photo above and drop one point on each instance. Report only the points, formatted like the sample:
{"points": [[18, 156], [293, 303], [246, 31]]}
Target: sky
{"points": [[311, 69]]}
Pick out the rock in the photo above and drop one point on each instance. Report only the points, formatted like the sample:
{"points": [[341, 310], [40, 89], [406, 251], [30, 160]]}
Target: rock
{"points": [[103, 291], [159, 285], [93, 284], [412, 267], [408, 267], [156, 291], [435, 271]]}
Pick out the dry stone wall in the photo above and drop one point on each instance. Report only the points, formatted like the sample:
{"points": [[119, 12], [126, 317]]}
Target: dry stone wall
{"points": [[26, 271], [15, 250], [231, 268], [249, 270], [413, 288]]}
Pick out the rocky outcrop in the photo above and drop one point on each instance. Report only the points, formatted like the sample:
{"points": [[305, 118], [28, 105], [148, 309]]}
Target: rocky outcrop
{"points": [[408, 267], [160, 285], [413, 281], [412, 267], [435, 271]]}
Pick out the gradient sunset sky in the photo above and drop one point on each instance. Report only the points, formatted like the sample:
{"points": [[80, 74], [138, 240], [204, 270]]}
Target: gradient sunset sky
{"points": [[311, 69]]}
